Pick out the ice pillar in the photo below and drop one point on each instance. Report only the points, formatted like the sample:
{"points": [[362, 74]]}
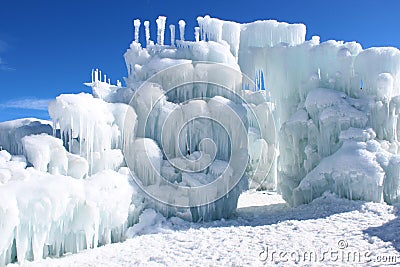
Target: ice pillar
{"points": [[96, 75], [197, 34], [160, 29], [200, 21], [182, 25], [147, 29], [136, 24], [172, 29]]}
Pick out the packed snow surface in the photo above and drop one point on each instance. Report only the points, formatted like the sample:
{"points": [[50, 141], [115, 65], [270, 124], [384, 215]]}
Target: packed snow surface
{"points": [[263, 232]]}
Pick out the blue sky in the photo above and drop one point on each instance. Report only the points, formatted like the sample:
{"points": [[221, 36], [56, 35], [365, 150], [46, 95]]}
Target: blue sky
{"points": [[49, 47]]}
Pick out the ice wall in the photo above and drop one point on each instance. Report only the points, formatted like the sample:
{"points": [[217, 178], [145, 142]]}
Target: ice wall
{"points": [[323, 98]]}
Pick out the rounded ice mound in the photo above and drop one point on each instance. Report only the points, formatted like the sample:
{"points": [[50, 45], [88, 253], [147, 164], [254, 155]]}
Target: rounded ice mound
{"points": [[385, 84], [351, 172], [370, 63], [46, 153]]}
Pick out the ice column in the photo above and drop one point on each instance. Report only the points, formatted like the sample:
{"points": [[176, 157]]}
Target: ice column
{"points": [[172, 29], [160, 29], [182, 25], [200, 21], [197, 33], [136, 24], [147, 30]]}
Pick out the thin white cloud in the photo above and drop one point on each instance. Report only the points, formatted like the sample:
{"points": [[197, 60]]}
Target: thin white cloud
{"points": [[27, 103], [5, 67]]}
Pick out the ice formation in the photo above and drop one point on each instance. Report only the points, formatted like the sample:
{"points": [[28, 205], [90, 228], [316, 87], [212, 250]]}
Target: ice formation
{"points": [[197, 123], [319, 109]]}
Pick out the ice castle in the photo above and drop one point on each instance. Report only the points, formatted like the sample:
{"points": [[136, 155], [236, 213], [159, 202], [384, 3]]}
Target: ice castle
{"points": [[243, 106]]}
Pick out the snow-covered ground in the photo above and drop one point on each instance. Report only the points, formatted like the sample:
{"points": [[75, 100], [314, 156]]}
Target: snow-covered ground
{"points": [[264, 231]]}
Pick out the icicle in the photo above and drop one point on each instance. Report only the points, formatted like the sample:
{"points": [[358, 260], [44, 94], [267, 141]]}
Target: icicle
{"points": [[147, 31], [182, 25], [54, 128], [136, 24], [172, 29], [80, 137], [70, 134], [262, 81]]}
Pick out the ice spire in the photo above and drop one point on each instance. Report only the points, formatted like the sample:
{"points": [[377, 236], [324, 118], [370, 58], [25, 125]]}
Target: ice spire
{"points": [[160, 29], [182, 25], [136, 24], [172, 29], [147, 29], [197, 33]]}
